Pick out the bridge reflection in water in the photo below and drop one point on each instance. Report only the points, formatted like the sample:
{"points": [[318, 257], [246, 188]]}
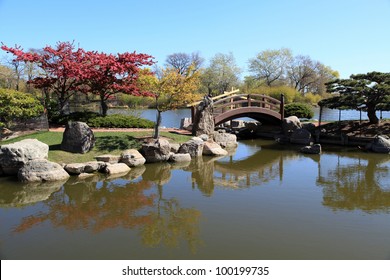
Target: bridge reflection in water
{"points": [[349, 180]]}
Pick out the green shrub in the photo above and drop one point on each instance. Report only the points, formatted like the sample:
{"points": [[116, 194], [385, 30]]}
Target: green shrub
{"points": [[301, 110], [18, 105], [120, 121]]}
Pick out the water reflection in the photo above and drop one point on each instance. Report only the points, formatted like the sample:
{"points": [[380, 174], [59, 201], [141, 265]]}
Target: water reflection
{"points": [[15, 194], [97, 204], [164, 206], [359, 181]]}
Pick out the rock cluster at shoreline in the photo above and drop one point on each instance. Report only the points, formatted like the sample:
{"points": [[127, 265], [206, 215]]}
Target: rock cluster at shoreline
{"points": [[27, 159]]}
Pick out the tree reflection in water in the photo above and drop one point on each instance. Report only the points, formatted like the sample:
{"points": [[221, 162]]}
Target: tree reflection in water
{"points": [[137, 201], [97, 204], [356, 182]]}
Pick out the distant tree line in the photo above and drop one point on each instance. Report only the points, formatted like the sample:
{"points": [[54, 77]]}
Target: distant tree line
{"points": [[63, 73]]}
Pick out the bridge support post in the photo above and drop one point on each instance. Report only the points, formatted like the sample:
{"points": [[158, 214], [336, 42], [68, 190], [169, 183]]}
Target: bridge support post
{"points": [[282, 106]]}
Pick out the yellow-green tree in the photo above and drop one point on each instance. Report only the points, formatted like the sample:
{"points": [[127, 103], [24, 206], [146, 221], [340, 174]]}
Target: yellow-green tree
{"points": [[171, 89]]}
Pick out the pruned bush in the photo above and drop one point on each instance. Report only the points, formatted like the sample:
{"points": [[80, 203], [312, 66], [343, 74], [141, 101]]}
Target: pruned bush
{"points": [[300, 110], [120, 121], [16, 105]]}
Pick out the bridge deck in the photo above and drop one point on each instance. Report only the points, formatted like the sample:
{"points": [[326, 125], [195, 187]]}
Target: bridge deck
{"points": [[257, 106]]}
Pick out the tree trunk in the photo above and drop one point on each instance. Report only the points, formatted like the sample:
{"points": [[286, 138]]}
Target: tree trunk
{"points": [[61, 105], [104, 107], [157, 126], [371, 114]]}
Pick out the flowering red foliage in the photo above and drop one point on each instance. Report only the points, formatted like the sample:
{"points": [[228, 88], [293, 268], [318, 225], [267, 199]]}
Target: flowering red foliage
{"points": [[61, 74], [107, 74], [68, 71]]}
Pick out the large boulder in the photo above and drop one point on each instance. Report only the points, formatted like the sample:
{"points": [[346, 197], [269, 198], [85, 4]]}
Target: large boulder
{"points": [[203, 122], [301, 136], [132, 158], [290, 124], [156, 150], [211, 148], [380, 144], [194, 147], [78, 137], [225, 140], [42, 170], [14, 156]]}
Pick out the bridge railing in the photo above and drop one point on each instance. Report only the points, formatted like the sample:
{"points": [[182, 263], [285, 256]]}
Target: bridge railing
{"points": [[249, 100]]}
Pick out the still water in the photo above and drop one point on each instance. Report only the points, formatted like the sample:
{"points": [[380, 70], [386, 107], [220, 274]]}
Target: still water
{"points": [[263, 201]]}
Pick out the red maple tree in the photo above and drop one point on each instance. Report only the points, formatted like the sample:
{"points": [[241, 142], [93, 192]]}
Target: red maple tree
{"points": [[61, 75], [108, 74], [68, 71]]}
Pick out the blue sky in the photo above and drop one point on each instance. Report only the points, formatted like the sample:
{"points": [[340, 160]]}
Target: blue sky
{"points": [[351, 36]]}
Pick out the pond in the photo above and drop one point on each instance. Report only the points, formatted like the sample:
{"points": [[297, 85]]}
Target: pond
{"points": [[263, 201], [172, 118]]}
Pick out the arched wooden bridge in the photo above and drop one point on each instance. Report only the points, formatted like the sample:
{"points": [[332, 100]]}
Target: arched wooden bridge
{"points": [[260, 107]]}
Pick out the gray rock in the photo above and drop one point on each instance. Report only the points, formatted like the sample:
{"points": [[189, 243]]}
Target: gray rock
{"points": [[290, 124], [86, 167], [180, 158], [203, 122], [194, 147], [204, 137], [156, 150], [108, 158], [77, 138], [93, 166], [313, 149], [42, 170], [225, 140], [211, 148], [14, 156], [132, 158], [116, 168], [175, 147], [75, 168], [380, 144], [301, 136]]}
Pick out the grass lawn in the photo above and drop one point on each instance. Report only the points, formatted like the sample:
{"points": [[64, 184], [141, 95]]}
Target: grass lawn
{"points": [[106, 143]]}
